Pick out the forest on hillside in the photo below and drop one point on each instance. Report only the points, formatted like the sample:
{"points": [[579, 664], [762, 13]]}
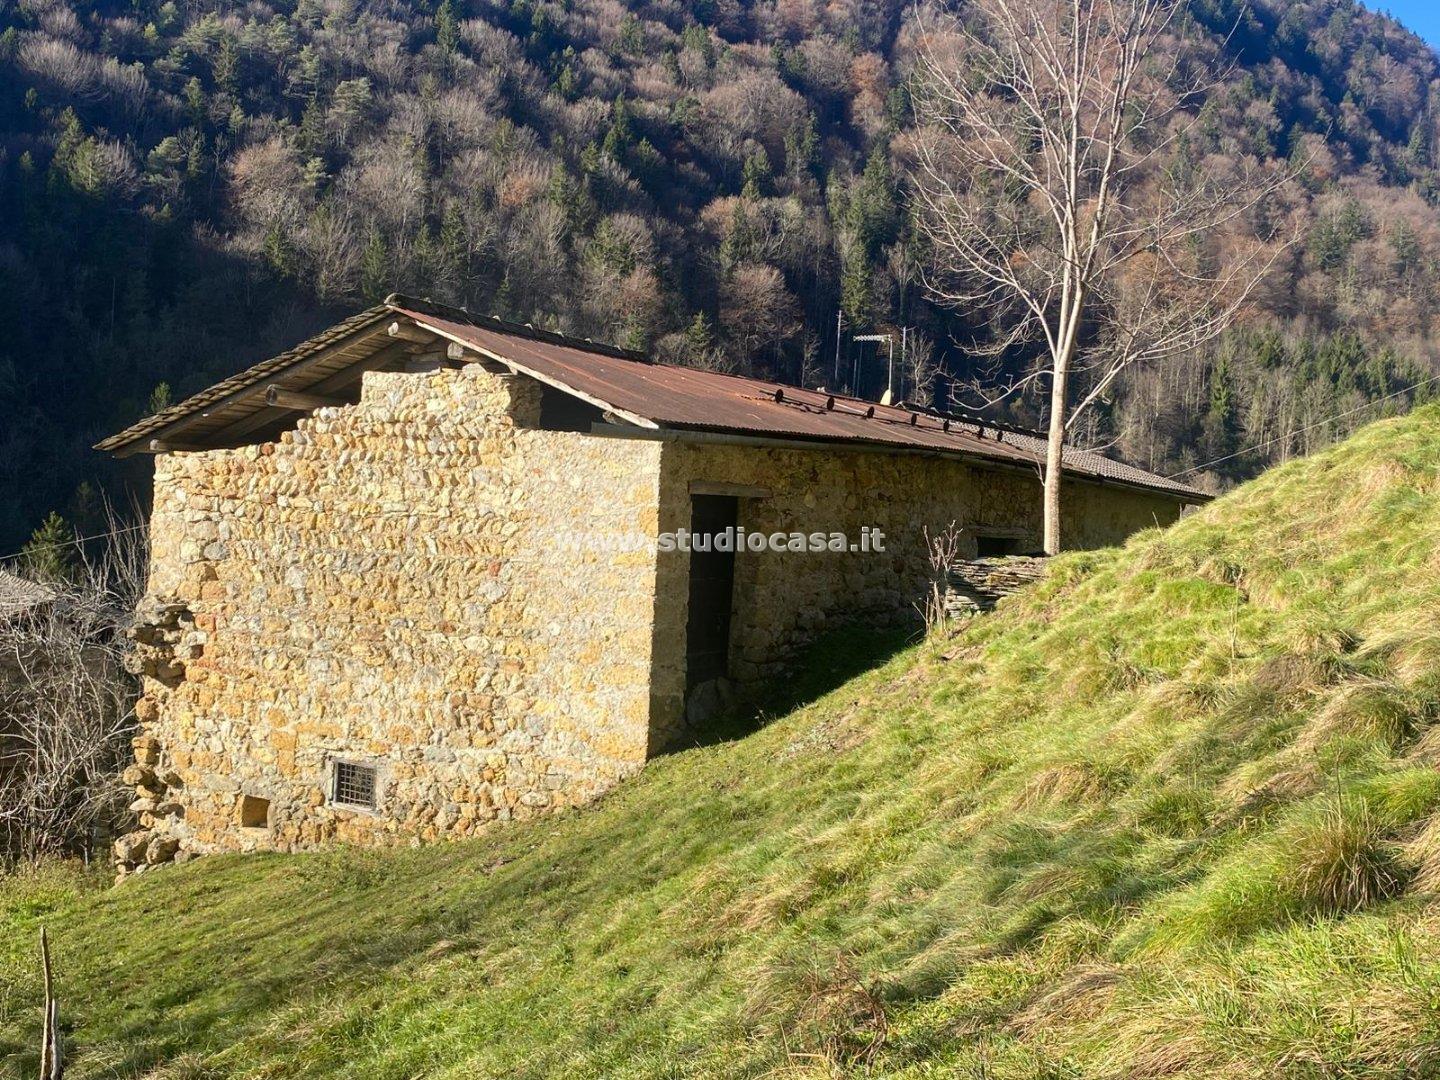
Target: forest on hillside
{"points": [[186, 188]]}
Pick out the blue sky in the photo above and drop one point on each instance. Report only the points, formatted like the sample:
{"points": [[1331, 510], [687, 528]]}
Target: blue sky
{"points": [[1422, 16]]}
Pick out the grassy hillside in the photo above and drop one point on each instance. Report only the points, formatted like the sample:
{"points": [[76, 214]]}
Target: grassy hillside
{"points": [[1172, 814]]}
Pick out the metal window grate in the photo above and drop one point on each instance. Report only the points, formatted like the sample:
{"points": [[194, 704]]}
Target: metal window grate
{"points": [[354, 785]]}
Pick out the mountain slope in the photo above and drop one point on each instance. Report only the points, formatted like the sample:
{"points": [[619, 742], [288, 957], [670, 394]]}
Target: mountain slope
{"points": [[187, 188], [1172, 813]]}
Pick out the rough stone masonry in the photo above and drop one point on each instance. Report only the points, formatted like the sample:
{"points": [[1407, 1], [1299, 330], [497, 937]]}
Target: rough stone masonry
{"points": [[380, 586]]}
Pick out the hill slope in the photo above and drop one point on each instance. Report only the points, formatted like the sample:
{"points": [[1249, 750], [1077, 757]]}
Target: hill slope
{"points": [[188, 188], [1171, 814]]}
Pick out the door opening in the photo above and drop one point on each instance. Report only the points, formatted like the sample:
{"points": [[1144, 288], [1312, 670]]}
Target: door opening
{"points": [[712, 587]]}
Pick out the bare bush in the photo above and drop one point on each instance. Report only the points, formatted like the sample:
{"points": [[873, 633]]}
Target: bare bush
{"points": [[126, 84], [66, 704], [941, 550], [60, 64]]}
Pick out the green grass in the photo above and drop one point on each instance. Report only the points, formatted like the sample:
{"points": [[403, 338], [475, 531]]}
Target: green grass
{"points": [[1175, 812]]}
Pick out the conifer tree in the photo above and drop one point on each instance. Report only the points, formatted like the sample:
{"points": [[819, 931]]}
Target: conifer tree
{"points": [[50, 553]]}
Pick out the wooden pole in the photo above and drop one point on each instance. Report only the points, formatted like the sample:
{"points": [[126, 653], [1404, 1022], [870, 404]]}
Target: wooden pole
{"points": [[52, 1066]]}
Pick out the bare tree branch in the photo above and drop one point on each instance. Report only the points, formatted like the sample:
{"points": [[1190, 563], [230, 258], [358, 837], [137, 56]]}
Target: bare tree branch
{"points": [[65, 703]]}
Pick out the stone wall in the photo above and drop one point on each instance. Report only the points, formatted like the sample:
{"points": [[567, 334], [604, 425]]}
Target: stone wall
{"points": [[975, 586], [381, 585], [784, 599]]}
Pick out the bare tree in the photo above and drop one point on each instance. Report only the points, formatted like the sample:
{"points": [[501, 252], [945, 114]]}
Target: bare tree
{"points": [[66, 701], [1054, 186], [921, 367]]}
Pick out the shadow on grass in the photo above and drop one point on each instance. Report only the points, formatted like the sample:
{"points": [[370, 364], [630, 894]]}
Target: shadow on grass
{"points": [[823, 666], [195, 958]]}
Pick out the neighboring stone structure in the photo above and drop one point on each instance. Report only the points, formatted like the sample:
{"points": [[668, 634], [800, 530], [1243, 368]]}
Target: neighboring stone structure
{"points": [[19, 596], [425, 609], [975, 586]]}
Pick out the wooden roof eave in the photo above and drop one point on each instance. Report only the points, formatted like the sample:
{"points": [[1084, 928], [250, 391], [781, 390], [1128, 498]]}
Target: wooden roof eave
{"points": [[247, 407]]}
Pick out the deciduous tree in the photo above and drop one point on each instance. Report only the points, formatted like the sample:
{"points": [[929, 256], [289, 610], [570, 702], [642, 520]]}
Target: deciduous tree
{"points": [[1042, 190]]}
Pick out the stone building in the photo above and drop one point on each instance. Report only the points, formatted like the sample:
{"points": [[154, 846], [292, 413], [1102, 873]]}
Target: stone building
{"points": [[413, 575]]}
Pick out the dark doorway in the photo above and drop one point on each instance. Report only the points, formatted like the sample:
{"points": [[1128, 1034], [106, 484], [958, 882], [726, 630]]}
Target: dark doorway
{"points": [[712, 585]]}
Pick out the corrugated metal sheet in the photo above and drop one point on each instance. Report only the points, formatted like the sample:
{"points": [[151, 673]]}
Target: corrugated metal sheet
{"points": [[691, 399], [666, 396]]}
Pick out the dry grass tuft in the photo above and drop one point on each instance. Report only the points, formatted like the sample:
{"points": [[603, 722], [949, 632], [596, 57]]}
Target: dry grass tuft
{"points": [[1078, 782], [1423, 854], [1168, 1054], [1369, 709], [1081, 996], [1416, 658], [828, 1014], [1340, 861], [1264, 783], [1426, 749], [1290, 676], [1320, 635], [1188, 695]]}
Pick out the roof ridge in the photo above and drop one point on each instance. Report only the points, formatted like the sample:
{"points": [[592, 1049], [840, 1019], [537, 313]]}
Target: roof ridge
{"points": [[400, 301]]}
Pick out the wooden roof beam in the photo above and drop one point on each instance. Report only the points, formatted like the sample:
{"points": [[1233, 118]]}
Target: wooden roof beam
{"points": [[246, 393], [279, 397], [171, 446]]}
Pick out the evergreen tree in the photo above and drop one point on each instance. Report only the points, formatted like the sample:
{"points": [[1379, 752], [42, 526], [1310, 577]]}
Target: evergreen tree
{"points": [[739, 243], [621, 133], [1220, 419], [699, 336], [374, 269], [50, 555], [756, 175], [226, 68], [447, 27], [802, 146]]}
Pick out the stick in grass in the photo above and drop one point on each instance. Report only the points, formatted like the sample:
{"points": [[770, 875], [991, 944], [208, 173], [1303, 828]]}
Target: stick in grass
{"points": [[52, 1067]]}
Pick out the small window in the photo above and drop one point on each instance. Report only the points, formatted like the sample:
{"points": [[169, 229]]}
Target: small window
{"points": [[254, 812], [990, 547], [353, 785]]}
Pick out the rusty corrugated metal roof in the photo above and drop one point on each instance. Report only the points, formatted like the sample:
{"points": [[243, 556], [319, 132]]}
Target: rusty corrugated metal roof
{"points": [[653, 395], [693, 399]]}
